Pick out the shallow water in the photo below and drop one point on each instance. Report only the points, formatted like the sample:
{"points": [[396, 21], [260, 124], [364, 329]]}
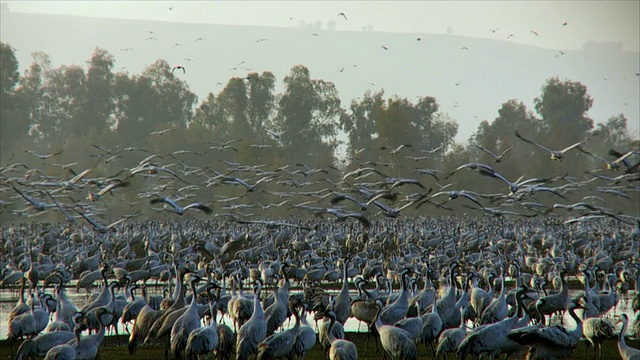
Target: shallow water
{"points": [[9, 298]]}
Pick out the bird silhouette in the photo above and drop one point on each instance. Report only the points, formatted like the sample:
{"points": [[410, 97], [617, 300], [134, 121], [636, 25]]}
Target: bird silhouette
{"points": [[555, 154], [181, 210]]}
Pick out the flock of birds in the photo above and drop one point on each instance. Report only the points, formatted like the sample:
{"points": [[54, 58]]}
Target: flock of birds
{"points": [[441, 282]]}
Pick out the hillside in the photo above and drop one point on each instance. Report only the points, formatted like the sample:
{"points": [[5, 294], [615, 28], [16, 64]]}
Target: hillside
{"points": [[470, 85]]}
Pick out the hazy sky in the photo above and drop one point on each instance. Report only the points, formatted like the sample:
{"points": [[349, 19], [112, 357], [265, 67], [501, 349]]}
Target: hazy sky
{"points": [[586, 20]]}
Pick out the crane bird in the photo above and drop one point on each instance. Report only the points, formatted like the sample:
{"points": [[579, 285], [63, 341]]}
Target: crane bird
{"points": [[497, 308], [547, 342], [276, 313], [187, 322], [555, 154], [41, 344], [342, 302], [395, 341], [431, 327], [596, 330], [397, 310], [181, 210], [450, 339], [337, 330], [306, 337], [254, 331], [626, 352], [280, 345], [87, 347], [203, 341], [339, 349], [56, 345], [496, 158], [489, 338]]}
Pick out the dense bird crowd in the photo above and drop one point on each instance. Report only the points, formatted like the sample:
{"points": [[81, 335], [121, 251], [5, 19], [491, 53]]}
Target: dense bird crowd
{"points": [[420, 280]]}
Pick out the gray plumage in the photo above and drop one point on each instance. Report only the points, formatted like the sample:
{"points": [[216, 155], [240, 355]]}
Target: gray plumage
{"points": [[186, 323], [596, 330], [204, 340], [626, 351], [41, 344], [253, 331], [396, 342]]}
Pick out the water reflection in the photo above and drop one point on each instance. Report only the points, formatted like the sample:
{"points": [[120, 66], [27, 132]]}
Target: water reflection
{"points": [[9, 298]]}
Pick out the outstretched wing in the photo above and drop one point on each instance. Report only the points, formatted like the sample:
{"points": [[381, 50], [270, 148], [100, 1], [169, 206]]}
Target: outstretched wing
{"points": [[532, 143]]}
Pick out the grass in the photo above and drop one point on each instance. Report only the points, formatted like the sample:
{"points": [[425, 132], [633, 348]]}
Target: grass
{"points": [[110, 351]]}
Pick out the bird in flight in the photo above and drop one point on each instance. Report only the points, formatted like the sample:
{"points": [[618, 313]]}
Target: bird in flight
{"points": [[42, 156], [161, 132], [343, 15], [341, 215], [464, 48], [510, 36], [496, 158], [397, 149], [179, 67], [555, 154], [535, 33], [38, 205], [565, 23], [494, 30], [261, 40], [99, 227], [199, 39], [179, 209], [384, 47]]}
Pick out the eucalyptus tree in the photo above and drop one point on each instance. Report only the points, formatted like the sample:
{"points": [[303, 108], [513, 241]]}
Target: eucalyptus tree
{"points": [[307, 118]]}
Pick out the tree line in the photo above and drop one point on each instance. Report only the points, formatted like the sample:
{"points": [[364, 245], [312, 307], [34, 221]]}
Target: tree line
{"points": [[78, 108]]}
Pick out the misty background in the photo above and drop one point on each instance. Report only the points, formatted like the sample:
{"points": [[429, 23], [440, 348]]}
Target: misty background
{"points": [[469, 76]]}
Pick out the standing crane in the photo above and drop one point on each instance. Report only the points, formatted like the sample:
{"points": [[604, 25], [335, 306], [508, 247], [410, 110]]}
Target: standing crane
{"points": [[280, 345], [550, 341], [626, 351], [254, 331], [342, 302], [596, 330], [203, 341], [395, 341], [340, 349], [187, 322]]}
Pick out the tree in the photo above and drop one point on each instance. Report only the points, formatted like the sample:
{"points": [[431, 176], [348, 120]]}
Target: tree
{"points": [[307, 117], [8, 69], [153, 100], [563, 108], [12, 125], [207, 115], [499, 135], [98, 102], [63, 92], [261, 102], [360, 122]]}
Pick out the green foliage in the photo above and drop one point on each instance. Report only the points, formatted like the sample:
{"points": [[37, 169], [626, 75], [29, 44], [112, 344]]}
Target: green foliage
{"points": [[307, 119], [247, 123], [563, 108], [11, 123]]}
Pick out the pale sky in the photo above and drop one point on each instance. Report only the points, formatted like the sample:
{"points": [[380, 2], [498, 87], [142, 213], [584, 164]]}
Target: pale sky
{"points": [[586, 20]]}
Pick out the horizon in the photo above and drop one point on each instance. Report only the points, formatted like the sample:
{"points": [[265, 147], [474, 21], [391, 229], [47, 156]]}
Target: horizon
{"points": [[588, 65]]}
